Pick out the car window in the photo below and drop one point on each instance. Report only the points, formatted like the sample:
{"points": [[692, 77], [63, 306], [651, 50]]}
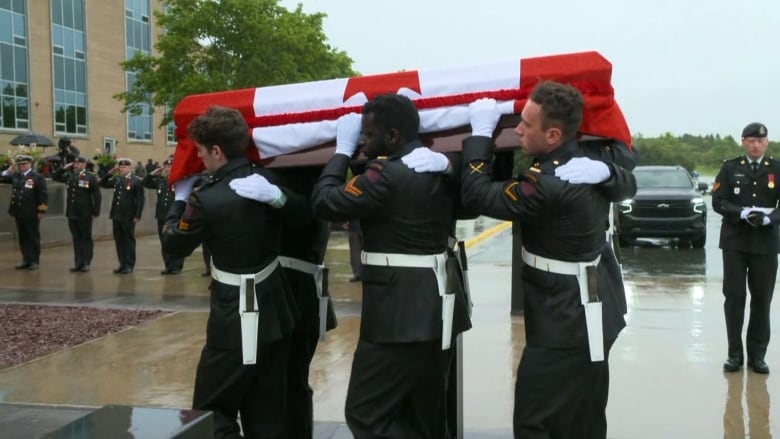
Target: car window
{"points": [[662, 178]]}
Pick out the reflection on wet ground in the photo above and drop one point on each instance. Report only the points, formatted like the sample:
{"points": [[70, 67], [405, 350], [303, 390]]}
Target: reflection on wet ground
{"points": [[667, 380]]}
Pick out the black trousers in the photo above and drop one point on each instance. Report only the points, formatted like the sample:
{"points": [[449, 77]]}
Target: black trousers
{"points": [[257, 392], [29, 232], [760, 270], [300, 416], [560, 394], [395, 391], [171, 263], [124, 238], [81, 231]]}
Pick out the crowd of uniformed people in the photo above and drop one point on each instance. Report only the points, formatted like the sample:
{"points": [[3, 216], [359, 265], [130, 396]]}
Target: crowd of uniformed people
{"points": [[267, 231]]}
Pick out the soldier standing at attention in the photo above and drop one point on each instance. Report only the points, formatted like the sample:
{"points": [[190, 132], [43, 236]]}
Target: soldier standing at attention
{"points": [[83, 206], [127, 206], [28, 204], [746, 194], [158, 180]]}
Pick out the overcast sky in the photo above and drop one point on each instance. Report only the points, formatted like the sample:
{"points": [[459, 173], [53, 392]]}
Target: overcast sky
{"points": [[679, 66]]}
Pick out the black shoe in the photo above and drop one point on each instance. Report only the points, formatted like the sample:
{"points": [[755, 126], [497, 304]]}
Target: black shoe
{"points": [[75, 269], [119, 269], [84, 268], [206, 273], [32, 266], [354, 279], [759, 366], [166, 271], [126, 270], [732, 364], [174, 271], [22, 266]]}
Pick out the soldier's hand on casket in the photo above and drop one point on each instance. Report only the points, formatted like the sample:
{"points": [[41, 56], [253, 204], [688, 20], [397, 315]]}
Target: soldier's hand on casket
{"points": [[582, 170], [483, 116], [256, 187], [183, 188], [424, 159], [348, 134]]}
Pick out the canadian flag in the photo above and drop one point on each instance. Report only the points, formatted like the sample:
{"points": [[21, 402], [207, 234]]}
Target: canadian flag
{"points": [[291, 118]]}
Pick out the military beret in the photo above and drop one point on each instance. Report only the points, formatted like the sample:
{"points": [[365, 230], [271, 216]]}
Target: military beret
{"points": [[168, 162], [23, 158], [755, 129], [80, 159], [124, 162]]}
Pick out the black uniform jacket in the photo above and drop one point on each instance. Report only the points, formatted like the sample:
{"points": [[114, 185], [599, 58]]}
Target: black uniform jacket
{"points": [[560, 221], [243, 236], [400, 211], [736, 187], [128, 200], [28, 194], [165, 196], [84, 195], [307, 241]]}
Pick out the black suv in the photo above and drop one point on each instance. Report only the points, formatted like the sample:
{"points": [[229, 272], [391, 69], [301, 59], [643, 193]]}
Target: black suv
{"points": [[668, 204]]}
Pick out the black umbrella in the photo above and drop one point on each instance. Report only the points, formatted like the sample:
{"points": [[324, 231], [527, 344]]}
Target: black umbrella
{"points": [[28, 139]]}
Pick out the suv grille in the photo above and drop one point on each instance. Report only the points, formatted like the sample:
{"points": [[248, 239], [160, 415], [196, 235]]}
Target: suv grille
{"points": [[659, 209]]}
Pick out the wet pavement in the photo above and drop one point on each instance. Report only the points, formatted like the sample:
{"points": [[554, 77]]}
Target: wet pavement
{"points": [[666, 376]]}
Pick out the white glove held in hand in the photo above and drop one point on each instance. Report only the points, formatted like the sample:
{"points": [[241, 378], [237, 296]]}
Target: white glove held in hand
{"points": [[348, 134], [766, 220], [424, 159], [745, 211], [183, 188], [483, 116], [582, 170], [256, 187]]}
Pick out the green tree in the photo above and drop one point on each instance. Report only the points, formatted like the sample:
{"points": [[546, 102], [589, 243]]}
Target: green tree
{"points": [[211, 46]]}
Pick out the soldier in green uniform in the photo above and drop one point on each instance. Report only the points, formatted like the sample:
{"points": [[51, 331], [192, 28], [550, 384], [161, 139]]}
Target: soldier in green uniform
{"points": [[28, 204], [83, 205], [746, 194]]}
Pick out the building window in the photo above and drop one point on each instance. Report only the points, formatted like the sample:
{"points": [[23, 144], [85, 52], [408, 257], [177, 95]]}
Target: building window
{"points": [[70, 66], [138, 36], [14, 80]]}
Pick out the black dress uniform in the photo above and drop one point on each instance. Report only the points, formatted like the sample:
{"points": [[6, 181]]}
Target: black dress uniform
{"points": [[559, 392], [244, 237], [748, 252], [306, 242], [83, 204], [127, 205], [28, 199], [165, 197], [398, 370]]}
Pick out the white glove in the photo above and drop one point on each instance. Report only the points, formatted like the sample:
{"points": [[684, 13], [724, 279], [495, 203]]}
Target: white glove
{"points": [[183, 188], [256, 187], [483, 116], [766, 220], [582, 170], [745, 211], [424, 159], [348, 134]]}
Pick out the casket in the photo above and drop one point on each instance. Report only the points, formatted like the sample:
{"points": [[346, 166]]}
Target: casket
{"points": [[295, 124]]}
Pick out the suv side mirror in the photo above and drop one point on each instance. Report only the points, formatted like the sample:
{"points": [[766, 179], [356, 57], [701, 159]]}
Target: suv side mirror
{"points": [[703, 188]]}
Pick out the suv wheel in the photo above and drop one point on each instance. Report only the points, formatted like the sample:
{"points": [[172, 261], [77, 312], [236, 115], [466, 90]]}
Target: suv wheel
{"points": [[699, 241]]}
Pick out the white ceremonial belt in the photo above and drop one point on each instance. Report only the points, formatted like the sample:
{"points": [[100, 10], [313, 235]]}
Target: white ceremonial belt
{"points": [[248, 308], [237, 280], [436, 262], [316, 271], [593, 314], [556, 266]]}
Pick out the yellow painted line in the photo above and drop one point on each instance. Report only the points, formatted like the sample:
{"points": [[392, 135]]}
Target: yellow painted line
{"points": [[498, 228]]}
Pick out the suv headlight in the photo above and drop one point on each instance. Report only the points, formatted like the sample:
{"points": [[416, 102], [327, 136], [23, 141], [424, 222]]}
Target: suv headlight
{"points": [[698, 204], [626, 206]]}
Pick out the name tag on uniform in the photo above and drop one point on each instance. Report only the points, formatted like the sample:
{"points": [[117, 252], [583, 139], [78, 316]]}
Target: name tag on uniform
{"points": [[29, 183]]}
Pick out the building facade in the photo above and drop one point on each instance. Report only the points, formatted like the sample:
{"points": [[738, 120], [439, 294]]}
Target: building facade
{"points": [[59, 72]]}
